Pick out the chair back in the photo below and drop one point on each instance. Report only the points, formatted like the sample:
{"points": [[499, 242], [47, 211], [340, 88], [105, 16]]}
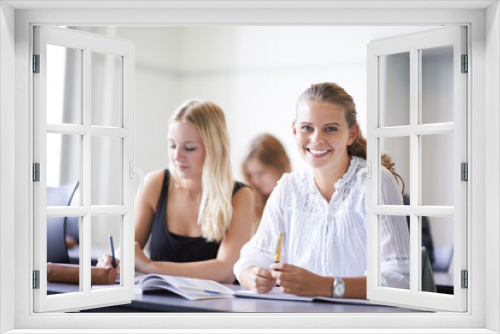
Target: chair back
{"points": [[57, 250], [428, 283]]}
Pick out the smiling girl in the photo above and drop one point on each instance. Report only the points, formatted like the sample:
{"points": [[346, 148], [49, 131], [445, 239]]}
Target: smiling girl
{"points": [[321, 213]]}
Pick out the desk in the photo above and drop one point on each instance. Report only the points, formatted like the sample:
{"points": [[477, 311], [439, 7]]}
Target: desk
{"points": [[163, 301]]}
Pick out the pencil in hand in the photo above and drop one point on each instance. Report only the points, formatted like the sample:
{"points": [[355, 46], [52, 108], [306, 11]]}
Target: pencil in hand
{"points": [[278, 249]]}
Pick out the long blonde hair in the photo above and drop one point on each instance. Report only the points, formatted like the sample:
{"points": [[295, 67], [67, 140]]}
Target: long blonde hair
{"points": [[269, 151], [216, 207]]}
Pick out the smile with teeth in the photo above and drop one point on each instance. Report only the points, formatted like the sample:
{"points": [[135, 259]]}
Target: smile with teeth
{"points": [[317, 152]]}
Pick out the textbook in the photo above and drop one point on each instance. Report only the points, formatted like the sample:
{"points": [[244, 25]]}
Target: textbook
{"points": [[189, 288]]}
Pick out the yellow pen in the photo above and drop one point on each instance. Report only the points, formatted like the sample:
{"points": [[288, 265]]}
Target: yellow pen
{"points": [[278, 249]]}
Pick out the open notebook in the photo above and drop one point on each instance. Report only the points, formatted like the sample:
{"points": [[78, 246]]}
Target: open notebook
{"points": [[189, 288]]}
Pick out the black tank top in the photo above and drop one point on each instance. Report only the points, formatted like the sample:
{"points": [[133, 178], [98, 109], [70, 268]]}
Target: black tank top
{"points": [[167, 246]]}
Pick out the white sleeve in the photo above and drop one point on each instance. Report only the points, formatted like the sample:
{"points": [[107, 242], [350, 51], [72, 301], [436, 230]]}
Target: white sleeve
{"points": [[261, 249], [395, 238]]}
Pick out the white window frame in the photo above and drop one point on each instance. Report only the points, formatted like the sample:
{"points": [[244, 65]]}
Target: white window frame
{"points": [[455, 36], [484, 213], [87, 43]]}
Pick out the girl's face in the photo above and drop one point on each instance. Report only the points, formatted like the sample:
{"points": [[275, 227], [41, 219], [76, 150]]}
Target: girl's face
{"points": [[185, 149], [262, 177], [322, 134]]}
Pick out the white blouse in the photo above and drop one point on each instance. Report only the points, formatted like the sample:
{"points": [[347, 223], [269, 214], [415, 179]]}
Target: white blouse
{"points": [[329, 238]]}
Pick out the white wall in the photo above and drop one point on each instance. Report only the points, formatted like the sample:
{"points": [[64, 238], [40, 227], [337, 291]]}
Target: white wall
{"points": [[254, 73]]}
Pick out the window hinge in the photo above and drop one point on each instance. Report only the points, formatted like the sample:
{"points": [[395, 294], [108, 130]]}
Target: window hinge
{"points": [[464, 171], [36, 172], [465, 279], [36, 63], [36, 279], [465, 64]]}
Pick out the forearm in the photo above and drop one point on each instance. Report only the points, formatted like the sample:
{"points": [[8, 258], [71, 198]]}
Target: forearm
{"points": [[355, 287], [216, 270]]}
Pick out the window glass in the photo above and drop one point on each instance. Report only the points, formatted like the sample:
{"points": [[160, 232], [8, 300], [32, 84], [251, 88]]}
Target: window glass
{"points": [[107, 89], [63, 265], [437, 237], [396, 150], [106, 238], [437, 169], [437, 85], [64, 85], [394, 252], [394, 81], [107, 171], [64, 153]]}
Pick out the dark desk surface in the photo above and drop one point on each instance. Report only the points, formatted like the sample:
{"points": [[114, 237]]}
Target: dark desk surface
{"points": [[163, 301]]}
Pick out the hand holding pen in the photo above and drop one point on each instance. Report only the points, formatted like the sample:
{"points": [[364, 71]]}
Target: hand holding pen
{"points": [[259, 279], [108, 261]]}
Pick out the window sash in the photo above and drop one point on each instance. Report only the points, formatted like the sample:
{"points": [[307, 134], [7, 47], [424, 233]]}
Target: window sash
{"points": [[86, 297], [455, 36]]}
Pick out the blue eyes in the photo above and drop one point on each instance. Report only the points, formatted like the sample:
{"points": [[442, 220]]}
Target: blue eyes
{"points": [[308, 128]]}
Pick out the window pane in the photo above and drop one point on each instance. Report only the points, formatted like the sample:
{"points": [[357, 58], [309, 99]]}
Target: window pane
{"points": [[437, 169], [62, 246], [437, 237], [63, 160], [64, 85], [107, 175], [395, 89], [107, 89], [105, 228], [397, 150], [394, 252], [437, 85]]}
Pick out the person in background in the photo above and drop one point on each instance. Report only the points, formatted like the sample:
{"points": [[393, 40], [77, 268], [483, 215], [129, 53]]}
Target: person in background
{"points": [[262, 168], [196, 216], [320, 213]]}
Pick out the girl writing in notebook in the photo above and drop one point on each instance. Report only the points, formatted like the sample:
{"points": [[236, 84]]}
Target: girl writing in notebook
{"points": [[320, 212], [196, 216]]}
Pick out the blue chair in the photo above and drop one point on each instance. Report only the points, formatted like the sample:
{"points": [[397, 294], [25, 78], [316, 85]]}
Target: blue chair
{"points": [[57, 250]]}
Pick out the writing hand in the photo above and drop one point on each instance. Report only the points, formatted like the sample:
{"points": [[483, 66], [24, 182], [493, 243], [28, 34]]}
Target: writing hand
{"points": [[106, 261], [299, 281]]}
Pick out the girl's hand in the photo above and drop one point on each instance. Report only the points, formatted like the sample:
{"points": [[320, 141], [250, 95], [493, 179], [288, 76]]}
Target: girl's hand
{"points": [[257, 279], [106, 261], [299, 281], [142, 262]]}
